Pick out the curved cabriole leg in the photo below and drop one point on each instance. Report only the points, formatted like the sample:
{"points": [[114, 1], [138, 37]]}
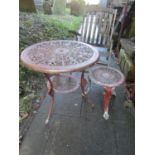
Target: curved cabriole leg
{"points": [[51, 94], [85, 87], [107, 96], [83, 84]]}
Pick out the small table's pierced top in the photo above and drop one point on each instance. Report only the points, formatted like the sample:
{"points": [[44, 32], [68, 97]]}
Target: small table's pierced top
{"points": [[59, 56], [106, 76]]}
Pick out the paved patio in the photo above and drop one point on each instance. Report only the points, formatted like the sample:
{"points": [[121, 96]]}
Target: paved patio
{"points": [[70, 133]]}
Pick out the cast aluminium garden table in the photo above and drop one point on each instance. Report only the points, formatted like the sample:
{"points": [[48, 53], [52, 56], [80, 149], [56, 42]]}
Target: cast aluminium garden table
{"points": [[60, 56]]}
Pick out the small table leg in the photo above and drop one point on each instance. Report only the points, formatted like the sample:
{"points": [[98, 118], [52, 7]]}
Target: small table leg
{"points": [[51, 94], [107, 96]]}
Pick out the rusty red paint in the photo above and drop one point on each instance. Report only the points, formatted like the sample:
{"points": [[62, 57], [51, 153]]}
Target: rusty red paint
{"points": [[107, 96]]}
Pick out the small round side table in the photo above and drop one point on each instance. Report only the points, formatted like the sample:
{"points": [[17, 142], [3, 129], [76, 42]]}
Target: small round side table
{"points": [[109, 78]]}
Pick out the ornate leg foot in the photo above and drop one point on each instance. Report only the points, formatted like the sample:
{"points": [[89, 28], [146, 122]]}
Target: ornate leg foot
{"points": [[51, 94], [107, 96], [106, 115]]}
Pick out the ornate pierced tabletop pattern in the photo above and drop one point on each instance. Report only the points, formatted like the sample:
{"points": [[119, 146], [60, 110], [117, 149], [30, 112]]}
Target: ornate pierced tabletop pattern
{"points": [[106, 76], [59, 55]]}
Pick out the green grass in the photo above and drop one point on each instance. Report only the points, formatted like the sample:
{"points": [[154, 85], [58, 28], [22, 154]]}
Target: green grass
{"points": [[39, 27], [66, 22], [67, 11]]}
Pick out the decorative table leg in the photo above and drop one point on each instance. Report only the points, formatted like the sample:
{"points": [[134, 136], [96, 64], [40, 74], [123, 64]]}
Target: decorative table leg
{"points": [[85, 87], [83, 84], [107, 96], [51, 94]]}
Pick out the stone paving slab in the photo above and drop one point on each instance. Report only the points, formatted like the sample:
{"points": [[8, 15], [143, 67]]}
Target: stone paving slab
{"points": [[70, 133], [124, 136]]}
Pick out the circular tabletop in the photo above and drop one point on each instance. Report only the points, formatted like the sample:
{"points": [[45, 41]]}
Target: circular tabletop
{"points": [[59, 56], [106, 76]]}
